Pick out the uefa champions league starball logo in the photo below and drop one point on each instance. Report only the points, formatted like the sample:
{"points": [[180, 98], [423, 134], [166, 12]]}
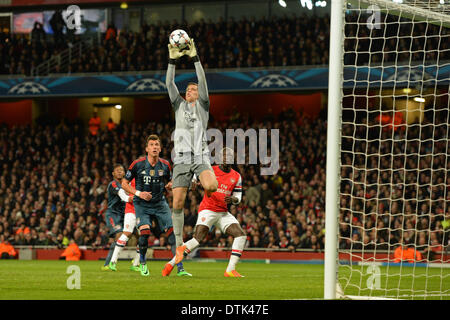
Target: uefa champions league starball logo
{"points": [[28, 87], [409, 75], [146, 85], [274, 81]]}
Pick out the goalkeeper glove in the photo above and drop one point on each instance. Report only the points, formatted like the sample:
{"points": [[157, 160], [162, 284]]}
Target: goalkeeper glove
{"points": [[192, 51], [174, 52]]}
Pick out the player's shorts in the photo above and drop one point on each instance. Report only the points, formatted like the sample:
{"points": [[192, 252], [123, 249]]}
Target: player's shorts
{"points": [[221, 220], [183, 172], [129, 222], [129, 208], [114, 222], [159, 211]]}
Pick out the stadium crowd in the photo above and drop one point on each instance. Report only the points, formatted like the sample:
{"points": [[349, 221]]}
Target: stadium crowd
{"points": [[54, 178], [395, 183], [247, 42]]}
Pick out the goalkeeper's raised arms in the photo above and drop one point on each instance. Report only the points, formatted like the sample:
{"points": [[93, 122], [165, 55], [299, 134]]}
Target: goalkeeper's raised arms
{"points": [[192, 51], [174, 52]]}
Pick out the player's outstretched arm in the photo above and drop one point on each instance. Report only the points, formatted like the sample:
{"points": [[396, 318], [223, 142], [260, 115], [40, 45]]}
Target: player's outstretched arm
{"points": [[202, 85], [174, 95]]}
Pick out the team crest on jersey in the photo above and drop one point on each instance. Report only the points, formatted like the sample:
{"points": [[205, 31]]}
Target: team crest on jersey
{"points": [[232, 180], [203, 219], [160, 173], [152, 172]]}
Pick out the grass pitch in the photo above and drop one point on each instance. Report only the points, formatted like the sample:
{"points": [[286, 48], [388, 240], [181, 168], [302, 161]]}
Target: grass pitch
{"points": [[47, 280]]}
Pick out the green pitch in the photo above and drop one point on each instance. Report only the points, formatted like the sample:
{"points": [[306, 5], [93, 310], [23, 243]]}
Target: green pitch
{"points": [[49, 280]]}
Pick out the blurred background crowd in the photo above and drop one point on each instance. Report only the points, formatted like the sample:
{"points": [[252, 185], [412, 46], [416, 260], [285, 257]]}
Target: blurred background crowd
{"points": [[235, 43], [54, 177]]}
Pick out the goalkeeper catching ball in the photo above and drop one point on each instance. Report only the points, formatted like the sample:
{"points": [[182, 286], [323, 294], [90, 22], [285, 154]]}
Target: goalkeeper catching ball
{"points": [[190, 141]]}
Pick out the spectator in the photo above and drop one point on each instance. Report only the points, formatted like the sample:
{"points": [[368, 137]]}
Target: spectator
{"points": [[266, 194], [38, 32], [7, 251], [406, 253], [111, 32], [94, 124], [72, 252], [252, 195], [57, 24], [110, 125]]}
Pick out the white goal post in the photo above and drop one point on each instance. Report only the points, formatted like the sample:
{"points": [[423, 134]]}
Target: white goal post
{"points": [[387, 220]]}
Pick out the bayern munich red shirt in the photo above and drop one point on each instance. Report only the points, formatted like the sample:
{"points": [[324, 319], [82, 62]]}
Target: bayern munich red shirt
{"points": [[228, 182]]}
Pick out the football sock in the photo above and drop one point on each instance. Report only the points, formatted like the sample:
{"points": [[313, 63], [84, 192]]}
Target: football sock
{"points": [[191, 244], [178, 224], [173, 248], [137, 257], [120, 243], [236, 252], [110, 253], [143, 245]]}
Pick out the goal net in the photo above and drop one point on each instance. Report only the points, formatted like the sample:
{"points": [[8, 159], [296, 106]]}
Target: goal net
{"points": [[389, 117]]}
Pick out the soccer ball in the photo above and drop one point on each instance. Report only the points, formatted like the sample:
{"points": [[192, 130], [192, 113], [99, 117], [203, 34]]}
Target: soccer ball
{"points": [[179, 38]]}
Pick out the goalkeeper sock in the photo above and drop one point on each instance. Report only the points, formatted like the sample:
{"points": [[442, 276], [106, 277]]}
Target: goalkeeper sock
{"points": [[236, 252], [178, 224], [120, 243], [172, 262]]}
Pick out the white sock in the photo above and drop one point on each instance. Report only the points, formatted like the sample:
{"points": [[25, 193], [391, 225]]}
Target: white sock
{"points": [[236, 252], [192, 244], [136, 259], [120, 243], [178, 224]]}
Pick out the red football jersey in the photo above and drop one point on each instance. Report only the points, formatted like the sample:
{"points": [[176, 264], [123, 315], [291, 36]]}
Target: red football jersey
{"points": [[228, 182], [129, 207]]}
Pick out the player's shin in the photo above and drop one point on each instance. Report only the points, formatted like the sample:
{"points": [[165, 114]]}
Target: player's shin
{"points": [[236, 251], [178, 224], [110, 253], [171, 241], [143, 245]]}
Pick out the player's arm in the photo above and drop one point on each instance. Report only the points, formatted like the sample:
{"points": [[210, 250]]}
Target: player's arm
{"points": [[201, 77], [125, 198], [129, 176], [236, 196], [174, 94], [126, 186]]}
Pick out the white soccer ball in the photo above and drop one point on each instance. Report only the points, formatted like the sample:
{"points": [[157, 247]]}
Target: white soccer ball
{"points": [[179, 38]]}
